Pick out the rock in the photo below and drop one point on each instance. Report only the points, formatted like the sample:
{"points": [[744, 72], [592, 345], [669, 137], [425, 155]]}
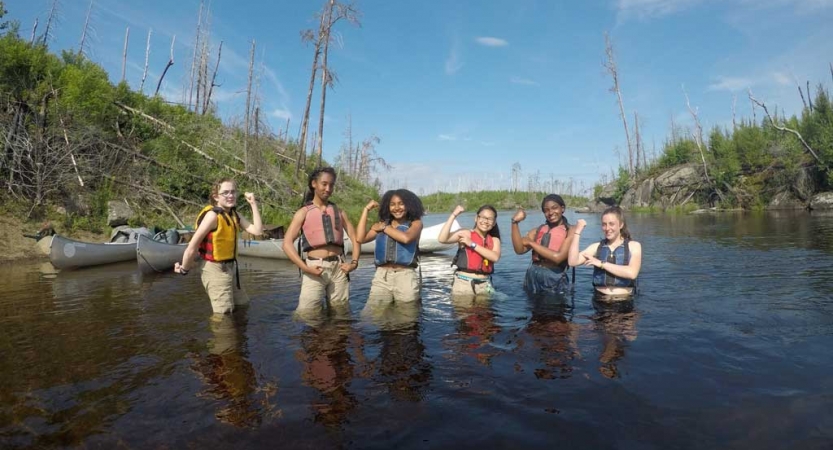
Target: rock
{"points": [[785, 201], [641, 196], [607, 195], [822, 201], [804, 184], [119, 213]]}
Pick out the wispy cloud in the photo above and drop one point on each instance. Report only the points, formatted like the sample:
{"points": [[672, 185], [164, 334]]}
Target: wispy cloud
{"points": [[281, 114], [783, 79], [523, 81], [650, 9], [489, 41], [647, 9], [453, 62], [447, 137], [731, 84]]}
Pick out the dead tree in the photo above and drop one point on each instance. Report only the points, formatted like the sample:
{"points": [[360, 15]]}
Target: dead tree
{"points": [[698, 136], [147, 58], [307, 36], [787, 130], [49, 20], [34, 31], [192, 73], [247, 125], [213, 79], [86, 26], [167, 66], [610, 65], [124, 54]]}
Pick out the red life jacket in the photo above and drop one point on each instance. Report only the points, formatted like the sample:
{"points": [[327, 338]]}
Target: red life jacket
{"points": [[468, 260], [550, 237], [322, 228]]}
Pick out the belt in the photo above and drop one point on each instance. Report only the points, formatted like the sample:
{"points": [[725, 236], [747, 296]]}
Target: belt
{"points": [[472, 279], [328, 258]]}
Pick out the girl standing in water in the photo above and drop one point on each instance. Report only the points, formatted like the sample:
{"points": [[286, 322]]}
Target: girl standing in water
{"points": [[322, 226], [397, 236], [218, 225], [549, 243], [616, 259], [479, 250]]}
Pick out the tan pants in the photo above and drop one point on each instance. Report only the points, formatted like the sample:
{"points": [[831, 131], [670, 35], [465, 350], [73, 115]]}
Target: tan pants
{"points": [[218, 280], [394, 284], [465, 287], [332, 285]]}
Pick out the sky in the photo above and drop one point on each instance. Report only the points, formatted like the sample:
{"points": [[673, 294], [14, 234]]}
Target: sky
{"points": [[459, 91]]}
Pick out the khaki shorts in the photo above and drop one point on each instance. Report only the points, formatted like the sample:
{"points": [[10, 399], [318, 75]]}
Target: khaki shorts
{"points": [[332, 285], [219, 283], [463, 286], [394, 284]]}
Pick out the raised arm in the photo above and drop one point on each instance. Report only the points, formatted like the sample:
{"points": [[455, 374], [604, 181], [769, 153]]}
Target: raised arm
{"points": [[404, 237], [517, 239], [446, 236], [362, 233], [255, 228]]}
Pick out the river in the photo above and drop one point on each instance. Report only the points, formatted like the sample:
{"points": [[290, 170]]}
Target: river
{"points": [[726, 346]]}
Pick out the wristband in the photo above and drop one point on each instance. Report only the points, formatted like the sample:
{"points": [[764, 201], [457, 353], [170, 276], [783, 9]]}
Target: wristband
{"points": [[602, 265], [355, 261], [515, 222], [182, 271]]}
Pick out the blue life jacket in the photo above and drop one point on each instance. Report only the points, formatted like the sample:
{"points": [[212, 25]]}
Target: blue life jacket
{"points": [[389, 251], [620, 256]]}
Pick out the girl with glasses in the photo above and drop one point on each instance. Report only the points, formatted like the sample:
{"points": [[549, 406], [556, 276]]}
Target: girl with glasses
{"points": [[479, 250], [549, 243], [215, 240]]}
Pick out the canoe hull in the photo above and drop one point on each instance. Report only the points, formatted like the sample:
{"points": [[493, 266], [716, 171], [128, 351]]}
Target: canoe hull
{"points": [[66, 253], [154, 256], [273, 248]]}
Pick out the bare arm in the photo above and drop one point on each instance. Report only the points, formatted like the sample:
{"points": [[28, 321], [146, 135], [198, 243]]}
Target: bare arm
{"points": [[629, 271], [255, 228], [446, 237], [517, 239], [492, 254], [405, 237], [558, 256], [362, 233], [289, 237], [350, 266], [209, 222], [575, 258]]}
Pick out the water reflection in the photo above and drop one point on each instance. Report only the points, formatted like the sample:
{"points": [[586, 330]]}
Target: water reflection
{"points": [[326, 363], [476, 327], [228, 374], [617, 323], [401, 366], [554, 334]]}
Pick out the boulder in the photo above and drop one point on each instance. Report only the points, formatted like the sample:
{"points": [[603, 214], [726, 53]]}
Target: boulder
{"points": [[640, 196], [785, 201], [822, 201], [119, 213], [607, 195]]}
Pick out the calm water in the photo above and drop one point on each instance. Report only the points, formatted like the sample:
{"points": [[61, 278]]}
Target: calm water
{"points": [[727, 346]]}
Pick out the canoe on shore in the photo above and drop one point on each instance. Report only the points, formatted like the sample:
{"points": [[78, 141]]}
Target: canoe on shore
{"points": [[273, 248], [156, 256], [66, 253]]}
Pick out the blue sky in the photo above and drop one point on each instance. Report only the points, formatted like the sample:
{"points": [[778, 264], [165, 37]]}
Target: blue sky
{"points": [[459, 91]]}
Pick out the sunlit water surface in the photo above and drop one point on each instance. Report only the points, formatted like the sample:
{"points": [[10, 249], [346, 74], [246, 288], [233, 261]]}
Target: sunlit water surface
{"points": [[727, 346]]}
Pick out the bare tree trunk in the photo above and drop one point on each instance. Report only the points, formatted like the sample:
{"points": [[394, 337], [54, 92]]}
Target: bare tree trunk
{"points": [[248, 106], [734, 102], [147, 59], [788, 130], [698, 137], [49, 21], [809, 96], [325, 79], [124, 53], [192, 73], [640, 153], [804, 102], [610, 65], [213, 78], [34, 31], [168, 66], [84, 32], [302, 141]]}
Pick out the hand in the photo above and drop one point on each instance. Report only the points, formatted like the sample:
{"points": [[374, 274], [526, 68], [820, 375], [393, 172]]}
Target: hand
{"points": [[347, 267], [526, 241], [580, 224], [591, 261], [378, 227], [459, 209], [371, 205], [315, 271], [250, 197], [464, 238], [520, 215], [177, 267]]}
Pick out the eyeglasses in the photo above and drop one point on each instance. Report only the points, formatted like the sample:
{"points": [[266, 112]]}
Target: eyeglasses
{"points": [[227, 193], [486, 219]]}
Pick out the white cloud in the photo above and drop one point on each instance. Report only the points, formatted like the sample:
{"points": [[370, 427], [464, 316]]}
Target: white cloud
{"points": [[782, 78], [731, 84], [447, 137], [647, 9], [453, 63], [523, 81], [281, 114], [491, 41]]}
